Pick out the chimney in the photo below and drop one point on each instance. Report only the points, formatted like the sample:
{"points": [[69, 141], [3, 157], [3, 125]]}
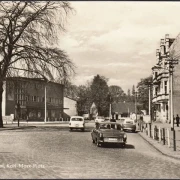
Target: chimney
{"points": [[167, 43], [162, 45], [157, 55]]}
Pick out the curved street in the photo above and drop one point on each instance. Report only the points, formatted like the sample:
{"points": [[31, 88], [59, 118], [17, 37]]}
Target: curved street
{"points": [[54, 152]]}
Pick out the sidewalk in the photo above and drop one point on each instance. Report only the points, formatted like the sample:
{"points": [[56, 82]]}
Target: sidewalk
{"points": [[165, 149], [24, 124]]}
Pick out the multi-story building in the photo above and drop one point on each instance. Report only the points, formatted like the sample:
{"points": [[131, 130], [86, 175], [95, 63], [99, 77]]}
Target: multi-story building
{"points": [[30, 94], [169, 50]]}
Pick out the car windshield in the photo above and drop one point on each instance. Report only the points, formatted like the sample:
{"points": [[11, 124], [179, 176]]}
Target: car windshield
{"points": [[110, 126], [129, 122], [100, 117], [76, 119]]}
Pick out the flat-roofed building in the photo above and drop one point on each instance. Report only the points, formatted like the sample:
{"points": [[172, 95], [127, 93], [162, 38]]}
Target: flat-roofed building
{"points": [[30, 93]]}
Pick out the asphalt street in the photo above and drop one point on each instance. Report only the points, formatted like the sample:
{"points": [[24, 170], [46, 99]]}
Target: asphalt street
{"points": [[55, 152]]}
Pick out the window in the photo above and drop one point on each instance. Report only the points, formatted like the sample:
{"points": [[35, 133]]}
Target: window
{"points": [[165, 87], [34, 98], [27, 98], [76, 119], [156, 91], [156, 74]]}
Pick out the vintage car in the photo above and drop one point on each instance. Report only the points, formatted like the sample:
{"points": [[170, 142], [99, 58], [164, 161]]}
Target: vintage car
{"points": [[108, 133], [77, 122], [129, 125], [99, 119]]}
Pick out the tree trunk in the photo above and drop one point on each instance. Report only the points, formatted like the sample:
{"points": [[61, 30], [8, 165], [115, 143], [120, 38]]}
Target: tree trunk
{"points": [[1, 92]]}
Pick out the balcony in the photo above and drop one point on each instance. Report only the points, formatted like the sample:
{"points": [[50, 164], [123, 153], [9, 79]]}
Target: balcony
{"points": [[161, 76], [160, 97]]}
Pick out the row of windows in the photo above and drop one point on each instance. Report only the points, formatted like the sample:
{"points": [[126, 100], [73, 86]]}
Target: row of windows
{"points": [[22, 97]]}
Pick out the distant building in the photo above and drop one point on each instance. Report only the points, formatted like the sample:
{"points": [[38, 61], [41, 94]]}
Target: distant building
{"points": [[30, 93], [162, 81], [70, 107], [123, 109]]}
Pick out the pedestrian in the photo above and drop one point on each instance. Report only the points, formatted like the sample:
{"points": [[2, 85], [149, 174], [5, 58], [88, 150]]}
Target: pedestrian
{"points": [[177, 120]]}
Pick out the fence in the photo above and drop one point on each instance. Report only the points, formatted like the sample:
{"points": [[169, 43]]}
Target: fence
{"points": [[163, 135]]}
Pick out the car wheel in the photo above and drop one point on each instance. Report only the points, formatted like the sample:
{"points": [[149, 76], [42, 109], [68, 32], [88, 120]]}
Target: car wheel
{"points": [[133, 131], [82, 129], [123, 145]]}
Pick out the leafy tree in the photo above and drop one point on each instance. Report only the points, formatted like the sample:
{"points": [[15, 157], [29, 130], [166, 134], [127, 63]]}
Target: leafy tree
{"points": [[84, 100], [117, 93], [99, 93], [70, 90], [29, 32]]}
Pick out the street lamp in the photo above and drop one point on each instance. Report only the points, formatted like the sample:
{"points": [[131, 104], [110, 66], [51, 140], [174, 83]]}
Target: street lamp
{"points": [[45, 110], [149, 83], [109, 98], [45, 100], [136, 103]]}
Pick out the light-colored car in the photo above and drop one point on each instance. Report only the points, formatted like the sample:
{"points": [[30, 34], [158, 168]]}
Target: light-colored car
{"points": [[77, 122], [129, 125], [99, 119]]}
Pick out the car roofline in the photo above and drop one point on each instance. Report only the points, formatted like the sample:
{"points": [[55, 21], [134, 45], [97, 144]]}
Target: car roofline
{"points": [[107, 122], [77, 117]]}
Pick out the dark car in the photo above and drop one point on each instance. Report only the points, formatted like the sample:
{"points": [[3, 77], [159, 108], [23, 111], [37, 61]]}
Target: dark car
{"points": [[129, 125], [108, 133]]}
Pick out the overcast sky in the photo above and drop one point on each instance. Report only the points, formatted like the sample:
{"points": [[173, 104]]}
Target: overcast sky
{"points": [[118, 39]]}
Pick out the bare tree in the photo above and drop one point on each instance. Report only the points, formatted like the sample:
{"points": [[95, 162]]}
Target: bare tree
{"points": [[29, 34]]}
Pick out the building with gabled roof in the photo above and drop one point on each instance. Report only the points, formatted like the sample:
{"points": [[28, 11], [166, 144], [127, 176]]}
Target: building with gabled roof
{"points": [[123, 108]]}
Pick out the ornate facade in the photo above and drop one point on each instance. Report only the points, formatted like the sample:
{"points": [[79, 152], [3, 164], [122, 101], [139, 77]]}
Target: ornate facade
{"points": [[168, 52]]}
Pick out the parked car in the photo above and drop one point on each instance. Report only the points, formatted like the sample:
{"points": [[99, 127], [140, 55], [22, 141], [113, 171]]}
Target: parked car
{"points": [[99, 119], [129, 125], [77, 122], [108, 133]]}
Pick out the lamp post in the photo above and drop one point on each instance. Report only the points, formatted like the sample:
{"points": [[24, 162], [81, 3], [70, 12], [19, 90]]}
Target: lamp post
{"points": [[45, 100], [136, 103], [45, 107], [149, 88], [109, 100]]}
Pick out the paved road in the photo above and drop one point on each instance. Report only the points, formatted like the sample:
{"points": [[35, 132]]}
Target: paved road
{"points": [[54, 152]]}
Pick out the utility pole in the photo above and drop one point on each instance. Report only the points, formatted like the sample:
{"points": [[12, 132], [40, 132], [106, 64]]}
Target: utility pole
{"points": [[18, 111], [150, 102], [45, 109], [171, 63], [136, 104], [110, 107]]}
